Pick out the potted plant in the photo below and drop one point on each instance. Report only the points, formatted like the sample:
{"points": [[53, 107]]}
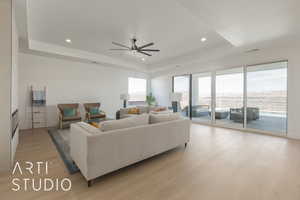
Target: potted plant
{"points": [[150, 99]]}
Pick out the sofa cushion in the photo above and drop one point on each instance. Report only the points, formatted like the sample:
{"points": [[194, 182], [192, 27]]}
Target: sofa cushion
{"points": [[157, 108], [158, 118], [128, 115], [151, 108], [143, 109], [138, 120], [161, 112]]}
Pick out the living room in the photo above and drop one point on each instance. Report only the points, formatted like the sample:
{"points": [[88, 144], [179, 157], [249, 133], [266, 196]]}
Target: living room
{"points": [[201, 101]]}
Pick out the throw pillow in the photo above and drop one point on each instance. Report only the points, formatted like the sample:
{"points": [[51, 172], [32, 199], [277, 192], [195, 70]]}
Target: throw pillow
{"points": [[95, 124], [160, 109], [69, 112], [94, 111], [133, 111]]}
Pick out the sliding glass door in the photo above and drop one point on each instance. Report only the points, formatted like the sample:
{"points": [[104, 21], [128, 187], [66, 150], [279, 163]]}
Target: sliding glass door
{"points": [[267, 97], [250, 97], [181, 84], [202, 97], [229, 101]]}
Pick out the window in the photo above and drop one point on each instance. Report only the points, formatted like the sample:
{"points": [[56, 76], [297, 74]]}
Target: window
{"points": [[137, 89]]}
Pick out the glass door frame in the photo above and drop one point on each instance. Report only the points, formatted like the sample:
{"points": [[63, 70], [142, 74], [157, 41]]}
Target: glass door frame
{"points": [[212, 103], [245, 98], [286, 99]]}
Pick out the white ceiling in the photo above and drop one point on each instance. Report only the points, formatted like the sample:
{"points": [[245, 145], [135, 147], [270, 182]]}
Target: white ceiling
{"points": [[175, 26], [244, 22]]}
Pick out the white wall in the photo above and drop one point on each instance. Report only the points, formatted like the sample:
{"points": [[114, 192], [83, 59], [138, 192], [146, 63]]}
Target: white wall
{"points": [[70, 82], [14, 79], [15, 50], [161, 86], [5, 83]]}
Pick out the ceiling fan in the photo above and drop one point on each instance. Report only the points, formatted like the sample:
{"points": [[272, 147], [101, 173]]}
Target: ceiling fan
{"points": [[135, 49]]}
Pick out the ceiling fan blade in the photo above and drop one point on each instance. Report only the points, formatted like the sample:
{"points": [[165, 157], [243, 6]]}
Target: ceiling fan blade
{"points": [[149, 50], [146, 45], [121, 45], [145, 53], [120, 49]]}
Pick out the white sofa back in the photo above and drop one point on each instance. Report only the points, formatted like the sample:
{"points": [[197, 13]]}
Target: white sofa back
{"points": [[99, 153]]}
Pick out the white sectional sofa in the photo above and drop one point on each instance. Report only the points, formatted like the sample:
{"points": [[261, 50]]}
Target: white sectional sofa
{"points": [[120, 143]]}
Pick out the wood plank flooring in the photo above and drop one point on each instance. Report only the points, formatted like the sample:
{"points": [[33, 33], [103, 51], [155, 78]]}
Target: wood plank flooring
{"points": [[217, 164]]}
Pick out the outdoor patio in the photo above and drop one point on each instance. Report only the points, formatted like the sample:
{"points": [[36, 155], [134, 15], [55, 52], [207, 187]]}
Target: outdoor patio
{"points": [[266, 122]]}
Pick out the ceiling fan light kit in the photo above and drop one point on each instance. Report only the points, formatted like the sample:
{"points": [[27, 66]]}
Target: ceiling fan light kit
{"points": [[134, 48]]}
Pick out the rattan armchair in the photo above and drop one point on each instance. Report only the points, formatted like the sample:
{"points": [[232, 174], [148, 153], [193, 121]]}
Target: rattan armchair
{"points": [[67, 120], [89, 116]]}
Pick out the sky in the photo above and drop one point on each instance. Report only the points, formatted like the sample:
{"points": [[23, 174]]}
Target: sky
{"points": [[257, 81], [137, 85]]}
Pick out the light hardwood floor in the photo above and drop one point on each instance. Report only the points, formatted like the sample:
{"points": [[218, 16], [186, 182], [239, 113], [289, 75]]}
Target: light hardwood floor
{"points": [[217, 164]]}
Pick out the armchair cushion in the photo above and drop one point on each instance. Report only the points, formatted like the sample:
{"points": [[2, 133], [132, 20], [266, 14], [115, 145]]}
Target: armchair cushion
{"points": [[94, 111], [100, 115], [69, 112], [71, 118]]}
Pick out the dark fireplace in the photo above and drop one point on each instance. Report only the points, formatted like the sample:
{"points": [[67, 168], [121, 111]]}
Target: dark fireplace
{"points": [[14, 122]]}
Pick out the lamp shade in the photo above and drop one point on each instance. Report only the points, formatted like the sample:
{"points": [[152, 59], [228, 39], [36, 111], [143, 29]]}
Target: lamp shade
{"points": [[176, 96], [124, 97]]}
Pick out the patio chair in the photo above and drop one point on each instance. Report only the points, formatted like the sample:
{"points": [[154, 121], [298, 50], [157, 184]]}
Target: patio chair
{"points": [[200, 111], [237, 114], [68, 113]]}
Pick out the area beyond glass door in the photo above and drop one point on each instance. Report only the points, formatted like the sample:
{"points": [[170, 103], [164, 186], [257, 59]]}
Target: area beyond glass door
{"points": [[181, 84], [201, 99], [267, 97], [229, 110]]}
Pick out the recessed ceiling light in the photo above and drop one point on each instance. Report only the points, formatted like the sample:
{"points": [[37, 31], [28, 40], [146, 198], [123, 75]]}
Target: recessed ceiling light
{"points": [[68, 40], [143, 59], [203, 39]]}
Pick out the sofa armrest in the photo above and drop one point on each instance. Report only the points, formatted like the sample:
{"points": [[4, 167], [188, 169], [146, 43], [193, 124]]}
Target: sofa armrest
{"points": [[78, 147]]}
